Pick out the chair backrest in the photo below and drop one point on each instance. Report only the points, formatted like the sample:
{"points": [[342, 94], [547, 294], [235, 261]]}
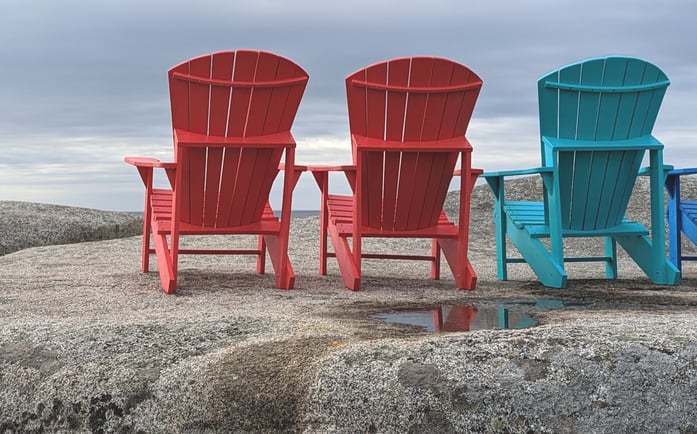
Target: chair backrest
{"points": [[601, 103], [415, 105], [232, 94]]}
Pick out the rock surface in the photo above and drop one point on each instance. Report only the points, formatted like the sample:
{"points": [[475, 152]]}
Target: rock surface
{"points": [[88, 343], [25, 224]]}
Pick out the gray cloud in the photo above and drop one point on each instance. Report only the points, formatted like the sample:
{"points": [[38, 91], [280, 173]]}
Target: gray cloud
{"points": [[84, 83]]}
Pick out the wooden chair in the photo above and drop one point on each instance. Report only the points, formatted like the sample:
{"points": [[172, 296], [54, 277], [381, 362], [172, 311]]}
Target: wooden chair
{"points": [[596, 119], [682, 216], [232, 113], [408, 118]]}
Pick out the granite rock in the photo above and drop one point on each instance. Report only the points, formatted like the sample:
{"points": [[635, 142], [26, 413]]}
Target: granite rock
{"points": [[88, 343]]}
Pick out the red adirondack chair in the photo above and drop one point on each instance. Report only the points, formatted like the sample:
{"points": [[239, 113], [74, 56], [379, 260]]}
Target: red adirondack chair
{"points": [[232, 112], [408, 118]]}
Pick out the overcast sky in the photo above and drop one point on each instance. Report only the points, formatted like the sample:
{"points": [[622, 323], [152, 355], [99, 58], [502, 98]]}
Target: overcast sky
{"points": [[84, 83]]}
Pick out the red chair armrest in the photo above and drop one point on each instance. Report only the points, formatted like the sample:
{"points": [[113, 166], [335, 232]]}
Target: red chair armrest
{"points": [[149, 162]]}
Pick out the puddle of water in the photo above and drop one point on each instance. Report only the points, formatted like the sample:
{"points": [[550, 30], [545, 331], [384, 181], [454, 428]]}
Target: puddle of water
{"points": [[462, 318]]}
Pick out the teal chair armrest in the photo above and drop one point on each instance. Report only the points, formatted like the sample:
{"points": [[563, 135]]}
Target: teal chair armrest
{"points": [[517, 172], [667, 169], [496, 179]]}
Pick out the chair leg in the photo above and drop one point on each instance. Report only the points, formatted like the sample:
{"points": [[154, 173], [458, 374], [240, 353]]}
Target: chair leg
{"points": [[346, 260], [501, 254], [261, 256], [145, 246], [279, 259], [322, 180], [674, 237], [497, 187], [649, 254], [323, 222], [675, 225], [651, 259], [165, 264], [470, 281], [435, 265], [611, 252], [146, 174], [549, 270], [463, 272]]}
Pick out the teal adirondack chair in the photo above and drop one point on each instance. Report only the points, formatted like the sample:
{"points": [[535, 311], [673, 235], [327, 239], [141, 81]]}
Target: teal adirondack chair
{"points": [[596, 118]]}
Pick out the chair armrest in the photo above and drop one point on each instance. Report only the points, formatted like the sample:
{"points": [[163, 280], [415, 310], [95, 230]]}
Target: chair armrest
{"points": [[145, 166], [297, 167], [328, 169], [321, 175], [495, 180], [474, 171], [149, 162], [672, 182], [667, 170], [681, 172], [518, 172]]}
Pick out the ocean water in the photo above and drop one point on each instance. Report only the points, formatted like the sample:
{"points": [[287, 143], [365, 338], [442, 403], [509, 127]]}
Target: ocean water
{"points": [[304, 213]]}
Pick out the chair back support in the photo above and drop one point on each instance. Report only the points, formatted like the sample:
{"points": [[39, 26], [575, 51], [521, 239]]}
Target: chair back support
{"points": [[415, 106], [232, 95], [602, 104]]}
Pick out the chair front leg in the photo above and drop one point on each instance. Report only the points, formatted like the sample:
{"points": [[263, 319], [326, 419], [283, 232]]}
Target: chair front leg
{"points": [[146, 174], [611, 253], [551, 187], [435, 260], [261, 256], [322, 180], [674, 220], [496, 183]]}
